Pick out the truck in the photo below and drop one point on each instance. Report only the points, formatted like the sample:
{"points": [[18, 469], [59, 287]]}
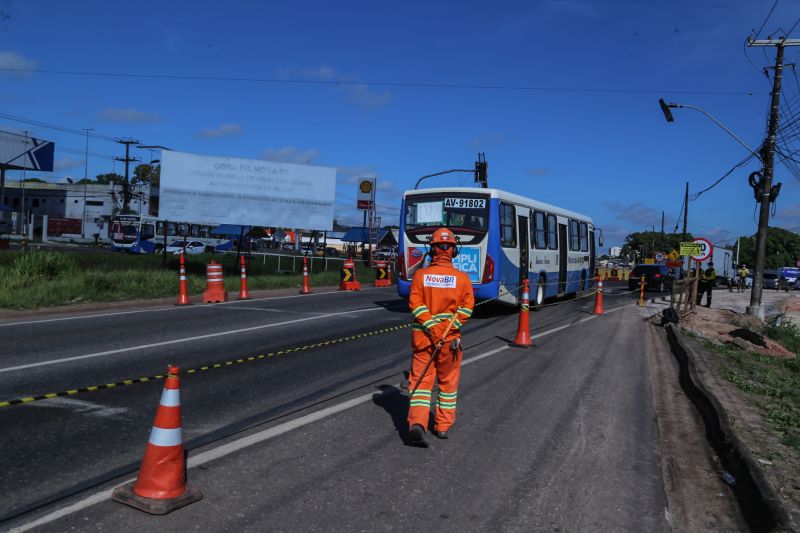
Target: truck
{"points": [[723, 264], [790, 275]]}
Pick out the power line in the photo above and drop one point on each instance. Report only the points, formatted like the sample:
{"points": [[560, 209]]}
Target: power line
{"points": [[418, 85], [737, 165], [55, 126], [766, 19]]}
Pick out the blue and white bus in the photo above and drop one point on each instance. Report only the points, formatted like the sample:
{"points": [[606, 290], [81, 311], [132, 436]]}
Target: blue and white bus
{"points": [[499, 231], [143, 234]]}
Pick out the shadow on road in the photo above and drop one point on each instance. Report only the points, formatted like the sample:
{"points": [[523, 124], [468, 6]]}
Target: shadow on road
{"points": [[396, 406]]}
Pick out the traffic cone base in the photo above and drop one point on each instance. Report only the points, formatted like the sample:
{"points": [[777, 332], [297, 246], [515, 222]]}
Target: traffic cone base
{"points": [[125, 494]]}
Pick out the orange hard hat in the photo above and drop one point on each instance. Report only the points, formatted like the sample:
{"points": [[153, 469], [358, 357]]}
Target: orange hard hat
{"points": [[443, 235]]}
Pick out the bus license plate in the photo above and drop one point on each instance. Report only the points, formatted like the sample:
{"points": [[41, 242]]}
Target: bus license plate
{"points": [[465, 203]]}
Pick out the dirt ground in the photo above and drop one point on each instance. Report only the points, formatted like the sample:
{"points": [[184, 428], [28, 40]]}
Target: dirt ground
{"points": [[779, 463], [697, 497]]}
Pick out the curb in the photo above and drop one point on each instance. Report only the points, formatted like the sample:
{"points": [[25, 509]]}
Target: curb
{"points": [[760, 505]]}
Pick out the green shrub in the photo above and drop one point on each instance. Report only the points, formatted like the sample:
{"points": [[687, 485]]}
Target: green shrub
{"points": [[43, 265]]}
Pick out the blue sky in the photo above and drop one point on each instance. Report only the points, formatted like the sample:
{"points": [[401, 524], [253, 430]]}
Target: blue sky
{"points": [[561, 95]]}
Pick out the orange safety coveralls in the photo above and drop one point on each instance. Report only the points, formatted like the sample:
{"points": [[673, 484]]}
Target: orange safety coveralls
{"points": [[437, 292]]}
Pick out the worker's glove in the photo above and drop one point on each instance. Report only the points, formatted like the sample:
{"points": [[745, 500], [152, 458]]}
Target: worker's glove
{"points": [[455, 345], [437, 333]]}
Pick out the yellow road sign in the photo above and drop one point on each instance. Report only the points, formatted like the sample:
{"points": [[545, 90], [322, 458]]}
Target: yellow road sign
{"points": [[690, 248], [649, 261], [673, 255], [347, 274]]}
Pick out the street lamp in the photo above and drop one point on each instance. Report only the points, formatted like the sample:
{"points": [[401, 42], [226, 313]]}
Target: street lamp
{"points": [[755, 294], [85, 182]]}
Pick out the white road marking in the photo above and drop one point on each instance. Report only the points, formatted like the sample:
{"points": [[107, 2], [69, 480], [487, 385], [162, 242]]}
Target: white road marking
{"points": [[82, 406], [177, 308], [261, 436], [186, 339]]}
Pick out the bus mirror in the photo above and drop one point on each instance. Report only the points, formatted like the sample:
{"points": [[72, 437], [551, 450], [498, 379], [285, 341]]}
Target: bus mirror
{"points": [[600, 238]]}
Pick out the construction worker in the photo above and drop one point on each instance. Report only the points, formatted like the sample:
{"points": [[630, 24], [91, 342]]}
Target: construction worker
{"points": [[439, 294], [707, 280], [743, 273]]}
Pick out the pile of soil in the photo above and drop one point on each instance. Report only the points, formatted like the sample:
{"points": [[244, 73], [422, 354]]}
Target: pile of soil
{"points": [[743, 331]]}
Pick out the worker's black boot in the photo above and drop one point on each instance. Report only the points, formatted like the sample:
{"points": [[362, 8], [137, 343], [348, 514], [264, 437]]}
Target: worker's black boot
{"points": [[416, 436], [440, 434]]}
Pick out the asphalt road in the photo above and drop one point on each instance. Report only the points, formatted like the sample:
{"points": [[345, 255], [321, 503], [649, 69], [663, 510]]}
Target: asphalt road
{"points": [[559, 437]]}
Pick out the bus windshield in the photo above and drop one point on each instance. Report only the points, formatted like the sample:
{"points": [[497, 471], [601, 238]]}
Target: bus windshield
{"points": [[125, 230], [463, 211]]}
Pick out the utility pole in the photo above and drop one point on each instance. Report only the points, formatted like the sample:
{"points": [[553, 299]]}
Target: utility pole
{"points": [[764, 186], [685, 211], [85, 180], [126, 189], [662, 223]]}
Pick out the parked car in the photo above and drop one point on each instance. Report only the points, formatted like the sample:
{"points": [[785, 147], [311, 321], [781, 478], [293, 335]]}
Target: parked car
{"points": [[192, 248], [656, 277], [770, 280]]}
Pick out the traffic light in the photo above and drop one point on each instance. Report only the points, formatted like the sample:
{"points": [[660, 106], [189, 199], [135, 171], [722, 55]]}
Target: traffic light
{"points": [[481, 171]]}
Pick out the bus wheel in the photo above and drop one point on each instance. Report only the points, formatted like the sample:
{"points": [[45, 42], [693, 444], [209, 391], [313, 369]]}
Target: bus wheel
{"points": [[538, 296]]}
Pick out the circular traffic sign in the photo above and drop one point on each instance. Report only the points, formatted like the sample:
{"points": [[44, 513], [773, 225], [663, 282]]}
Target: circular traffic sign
{"points": [[705, 249], [659, 256]]}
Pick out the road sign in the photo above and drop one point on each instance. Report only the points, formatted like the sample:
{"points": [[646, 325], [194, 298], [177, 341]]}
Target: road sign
{"points": [[689, 248], [659, 256], [673, 255], [705, 249], [649, 261]]}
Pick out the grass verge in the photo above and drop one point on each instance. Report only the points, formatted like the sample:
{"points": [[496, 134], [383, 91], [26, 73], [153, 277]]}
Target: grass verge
{"points": [[42, 279], [773, 383]]}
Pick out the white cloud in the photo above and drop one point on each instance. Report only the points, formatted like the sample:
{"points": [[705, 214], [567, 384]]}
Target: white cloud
{"points": [[13, 60], [490, 139], [129, 115], [356, 93], [225, 130], [67, 163], [637, 212], [290, 154]]}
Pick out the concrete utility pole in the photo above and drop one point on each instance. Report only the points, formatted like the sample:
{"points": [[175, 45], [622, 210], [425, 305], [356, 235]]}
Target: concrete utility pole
{"points": [[685, 210], [764, 187], [126, 189], [85, 180]]}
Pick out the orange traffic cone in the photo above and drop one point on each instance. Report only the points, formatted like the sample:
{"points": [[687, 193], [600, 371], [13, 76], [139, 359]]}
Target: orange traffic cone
{"points": [[183, 293], [161, 485], [598, 301], [523, 338], [305, 289], [243, 294]]}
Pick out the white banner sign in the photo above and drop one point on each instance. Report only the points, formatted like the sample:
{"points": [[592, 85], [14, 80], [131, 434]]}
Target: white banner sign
{"points": [[225, 190]]}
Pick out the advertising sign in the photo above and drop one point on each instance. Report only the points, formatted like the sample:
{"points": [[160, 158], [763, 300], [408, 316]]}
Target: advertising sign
{"points": [[227, 190], [366, 194], [468, 262]]}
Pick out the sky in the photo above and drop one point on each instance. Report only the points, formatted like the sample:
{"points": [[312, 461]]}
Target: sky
{"points": [[560, 95]]}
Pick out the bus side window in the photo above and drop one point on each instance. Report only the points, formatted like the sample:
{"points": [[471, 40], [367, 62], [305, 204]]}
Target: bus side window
{"points": [[508, 227], [574, 236], [148, 231], [160, 228], [584, 237], [552, 232], [539, 228]]}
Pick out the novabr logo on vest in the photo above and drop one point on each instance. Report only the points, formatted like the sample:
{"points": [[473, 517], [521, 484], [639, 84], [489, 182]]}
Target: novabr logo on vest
{"points": [[439, 281]]}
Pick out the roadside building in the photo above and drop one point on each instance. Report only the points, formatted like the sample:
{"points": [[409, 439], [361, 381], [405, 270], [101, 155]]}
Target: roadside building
{"points": [[73, 210]]}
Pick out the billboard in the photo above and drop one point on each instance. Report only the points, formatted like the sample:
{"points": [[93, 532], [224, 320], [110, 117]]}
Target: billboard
{"points": [[227, 190], [18, 152]]}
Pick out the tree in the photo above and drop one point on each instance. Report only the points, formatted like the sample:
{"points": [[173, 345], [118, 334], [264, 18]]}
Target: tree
{"points": [[147, 174], [647, 243], [110, 177], [783, 249]]}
